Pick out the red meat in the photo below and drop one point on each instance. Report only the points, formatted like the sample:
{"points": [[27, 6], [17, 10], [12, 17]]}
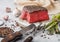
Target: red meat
{"points": [[23, 15], [34, 14]]}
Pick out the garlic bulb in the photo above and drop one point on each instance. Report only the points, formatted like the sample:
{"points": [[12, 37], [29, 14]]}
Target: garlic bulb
{"points": [[17, 12]]}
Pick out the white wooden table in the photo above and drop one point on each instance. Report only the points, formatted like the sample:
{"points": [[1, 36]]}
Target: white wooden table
{"points": [[38, 38]]}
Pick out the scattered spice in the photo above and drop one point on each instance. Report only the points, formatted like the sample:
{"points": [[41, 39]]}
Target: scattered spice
{"points": [[8, 10], [26, 34], [6, 18], [41, 35], [45, 37], [5, 25], [48, 37], [12, 25], [43, 31], [17, 24]]}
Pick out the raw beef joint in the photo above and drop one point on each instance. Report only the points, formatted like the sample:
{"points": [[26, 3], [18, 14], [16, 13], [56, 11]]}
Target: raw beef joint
{"points": [[34, 13]]}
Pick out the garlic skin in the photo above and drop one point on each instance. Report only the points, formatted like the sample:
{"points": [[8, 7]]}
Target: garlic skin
{"points": [[17, 12]]}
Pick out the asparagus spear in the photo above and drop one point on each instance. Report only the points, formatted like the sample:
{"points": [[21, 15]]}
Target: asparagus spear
{"points": [[51, 30], [49, 24], [55, 20], [52, 25], [56, 28]]}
